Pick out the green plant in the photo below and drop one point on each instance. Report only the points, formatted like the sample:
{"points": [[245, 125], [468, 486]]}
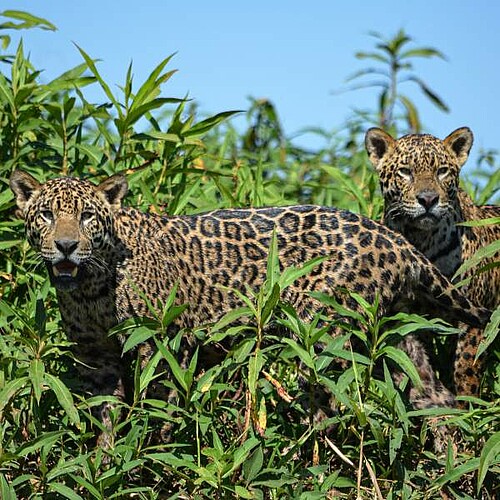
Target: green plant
{"points": [[395, 67]]}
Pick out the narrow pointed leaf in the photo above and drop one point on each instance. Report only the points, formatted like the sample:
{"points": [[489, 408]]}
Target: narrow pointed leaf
{"points": [[36, 373], [10, 390], [93, 68], [485, 252], [29, 20], [64, 397], [153, 82], [204, 126], [254, 367], [402, 359], [490, 454], [177, 371], [291, 274], [423, 52], [491, 332], [64, 491], [433, 97], [302, 354]]}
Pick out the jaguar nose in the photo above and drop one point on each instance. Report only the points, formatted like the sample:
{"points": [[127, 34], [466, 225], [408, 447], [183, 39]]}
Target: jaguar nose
{"points": [[428, 199], [66, 247]]}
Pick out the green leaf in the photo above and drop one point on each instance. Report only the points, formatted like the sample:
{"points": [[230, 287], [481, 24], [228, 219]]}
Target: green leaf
{"points": [[177, 371], [170, 460], [366, 71], [395, 443], [485, 252], [411, 114], [170, 313], [140, 111], [303, 355], [372, 55], [87, 486], [270, 304], [10, 390], [64, 397], [273, 262], [402, 359], [230, 317], [291, 274], [190, 372], [36, 374], [423, 52], [209, 123], [253, 465], [241, 454], [151, 87], [242, 492], [70, 75], [490, 333], [93, 68], [433, 97], [6, 489], [47, 439], [254, 367], [454, 475], [6, 94], [410, 323], [157, 136], [482, 222], [138, 336], [62, 84], [29, 21], [148, 373], [206, 380], [490, 454], [338, 308], [5, 40], [64, 490]]}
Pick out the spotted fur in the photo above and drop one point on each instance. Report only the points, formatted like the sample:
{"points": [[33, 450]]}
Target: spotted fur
{"points": [[419, 177], [103, 259]]}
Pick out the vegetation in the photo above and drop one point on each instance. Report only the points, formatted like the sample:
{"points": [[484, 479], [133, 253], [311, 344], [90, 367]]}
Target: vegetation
{"points": [[395, 66], [239, 429]]}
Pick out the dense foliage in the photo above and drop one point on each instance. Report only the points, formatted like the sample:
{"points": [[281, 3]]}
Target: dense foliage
{"points": [[239, 429]]}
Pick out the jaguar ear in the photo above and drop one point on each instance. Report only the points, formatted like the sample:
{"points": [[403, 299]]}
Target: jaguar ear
{"points": [[378, 144], [114, 189], [24, 187], [459, 143]]}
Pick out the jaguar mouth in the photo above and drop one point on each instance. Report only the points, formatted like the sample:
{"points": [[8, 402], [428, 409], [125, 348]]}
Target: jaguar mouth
{"points": [[65, 269], [427, 217], [425, 221]]}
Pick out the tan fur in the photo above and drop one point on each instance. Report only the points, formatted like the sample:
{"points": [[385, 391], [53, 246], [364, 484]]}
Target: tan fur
{"points": [[103, 259], [419, 177]]}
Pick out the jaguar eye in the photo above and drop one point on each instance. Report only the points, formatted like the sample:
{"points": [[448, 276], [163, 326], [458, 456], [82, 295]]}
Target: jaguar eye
{"points": [[86, 216], [404, 172], [443, 172], [47, 216]]}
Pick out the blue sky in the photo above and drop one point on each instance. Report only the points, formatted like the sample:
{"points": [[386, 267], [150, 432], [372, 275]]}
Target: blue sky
{"points": [[293, 53]]}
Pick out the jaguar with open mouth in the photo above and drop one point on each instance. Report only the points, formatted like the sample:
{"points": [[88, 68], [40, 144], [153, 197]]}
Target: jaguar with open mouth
{"points": [[65, 274]]}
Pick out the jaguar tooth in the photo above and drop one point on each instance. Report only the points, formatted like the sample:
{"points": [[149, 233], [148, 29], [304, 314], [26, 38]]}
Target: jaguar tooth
{"points": [[55, 271], [74, 271]]}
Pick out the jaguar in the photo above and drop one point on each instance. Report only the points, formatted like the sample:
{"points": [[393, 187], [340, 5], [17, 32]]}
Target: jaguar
{"points": [[109, 262], [419, 178]]}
